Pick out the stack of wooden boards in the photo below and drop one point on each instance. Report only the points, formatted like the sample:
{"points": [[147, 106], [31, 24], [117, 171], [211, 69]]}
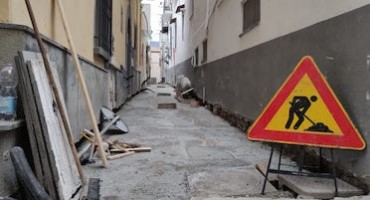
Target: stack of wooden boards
{"points": [[117, 149], [52, 157]]}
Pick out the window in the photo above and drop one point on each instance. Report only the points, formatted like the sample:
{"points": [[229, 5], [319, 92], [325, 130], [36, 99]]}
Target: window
{"points": [[170, 38], [191, 10], [196, 57], [204, 56], [175, 35], [174, 29], [182, 26], [103, 39], [121, 20], [251, 14]]}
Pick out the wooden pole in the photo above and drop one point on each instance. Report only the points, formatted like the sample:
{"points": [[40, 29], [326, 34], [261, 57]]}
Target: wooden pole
{"points": [[81, 78], [53, 84]]}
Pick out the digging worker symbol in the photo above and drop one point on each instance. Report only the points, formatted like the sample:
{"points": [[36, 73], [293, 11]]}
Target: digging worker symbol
{"points": [[299, 106]]}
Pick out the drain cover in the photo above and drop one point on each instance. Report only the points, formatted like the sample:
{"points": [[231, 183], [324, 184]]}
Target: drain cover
{"points": [[167, 106], [163, 94]]}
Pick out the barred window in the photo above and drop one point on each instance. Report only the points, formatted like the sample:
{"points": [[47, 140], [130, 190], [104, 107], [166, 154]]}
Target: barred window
{"points": [[196, 57], [103, 40], [251, 14], [204, 56]]}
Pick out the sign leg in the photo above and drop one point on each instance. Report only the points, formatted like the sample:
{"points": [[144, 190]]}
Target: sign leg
{"points": [[281, 153], [301, 159], [267, 171], [334, 173]]}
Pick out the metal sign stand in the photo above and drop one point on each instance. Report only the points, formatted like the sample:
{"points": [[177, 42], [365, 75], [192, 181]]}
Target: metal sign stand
{"points": [[300, 171]]}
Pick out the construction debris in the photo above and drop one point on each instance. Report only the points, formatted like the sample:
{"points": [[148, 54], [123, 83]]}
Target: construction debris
{"points": [[111, 122], [137, 149], [183, 88], [120, 155], [116, 149], [117, 146]]}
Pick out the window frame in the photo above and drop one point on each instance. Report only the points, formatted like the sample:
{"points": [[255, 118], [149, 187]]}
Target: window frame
{"points": [[204, 52], [103, 35], [182, 26], [196, 57], [255, 17], [191, 10]]}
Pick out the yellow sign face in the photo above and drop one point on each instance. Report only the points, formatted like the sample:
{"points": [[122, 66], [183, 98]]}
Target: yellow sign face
{"points": [[308, 106], [305, 111]]}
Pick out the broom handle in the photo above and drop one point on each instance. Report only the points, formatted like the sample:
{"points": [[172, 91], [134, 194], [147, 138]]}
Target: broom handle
{"points": [[81, 78]]}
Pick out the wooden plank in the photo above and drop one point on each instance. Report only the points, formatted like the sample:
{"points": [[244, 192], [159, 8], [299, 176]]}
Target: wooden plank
{"points": [[138, 149], [23, 91], [262, 168], [37, 142], [120, 155], [117, 150], [60, 155], [56, 92]]}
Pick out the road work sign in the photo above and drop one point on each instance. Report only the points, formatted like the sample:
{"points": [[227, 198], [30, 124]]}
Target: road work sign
{"points": [[305, 111]]}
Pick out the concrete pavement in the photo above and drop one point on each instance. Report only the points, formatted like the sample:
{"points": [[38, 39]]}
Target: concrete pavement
{"points": [[196, 155]]}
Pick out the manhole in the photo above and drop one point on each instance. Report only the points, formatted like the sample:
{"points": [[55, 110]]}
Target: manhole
{"points": [[163, 94], [167, 106]]}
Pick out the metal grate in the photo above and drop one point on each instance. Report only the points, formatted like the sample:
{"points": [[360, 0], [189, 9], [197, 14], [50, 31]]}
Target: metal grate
{"points": [[163, 94], [251, 14], [167, 106]]}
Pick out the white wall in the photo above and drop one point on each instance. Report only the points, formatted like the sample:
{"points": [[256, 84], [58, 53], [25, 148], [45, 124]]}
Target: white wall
{"points": [[224, 23], [155, 17], [155, 70], [194, 28]]}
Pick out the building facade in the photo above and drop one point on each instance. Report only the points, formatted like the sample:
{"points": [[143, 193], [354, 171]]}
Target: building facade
{"points": [[111, 45], [238, 53], [107, 34]]}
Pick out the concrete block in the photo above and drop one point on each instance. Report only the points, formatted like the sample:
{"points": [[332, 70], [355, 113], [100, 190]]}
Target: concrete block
{"points": [[321, 188], [227, 182]]}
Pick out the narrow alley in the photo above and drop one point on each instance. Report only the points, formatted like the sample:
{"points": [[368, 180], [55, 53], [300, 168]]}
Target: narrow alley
{"points": [[184, 99], [194, 154]]}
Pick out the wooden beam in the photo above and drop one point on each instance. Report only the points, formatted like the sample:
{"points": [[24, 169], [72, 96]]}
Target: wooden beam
{"points": [[120, 155], [82, 81]]}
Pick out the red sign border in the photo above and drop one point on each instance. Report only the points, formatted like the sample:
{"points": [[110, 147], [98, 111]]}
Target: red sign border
{"points": [[351, 138]]}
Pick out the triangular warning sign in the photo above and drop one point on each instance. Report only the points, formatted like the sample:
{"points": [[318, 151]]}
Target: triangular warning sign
{"points": [[305, 111]]}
